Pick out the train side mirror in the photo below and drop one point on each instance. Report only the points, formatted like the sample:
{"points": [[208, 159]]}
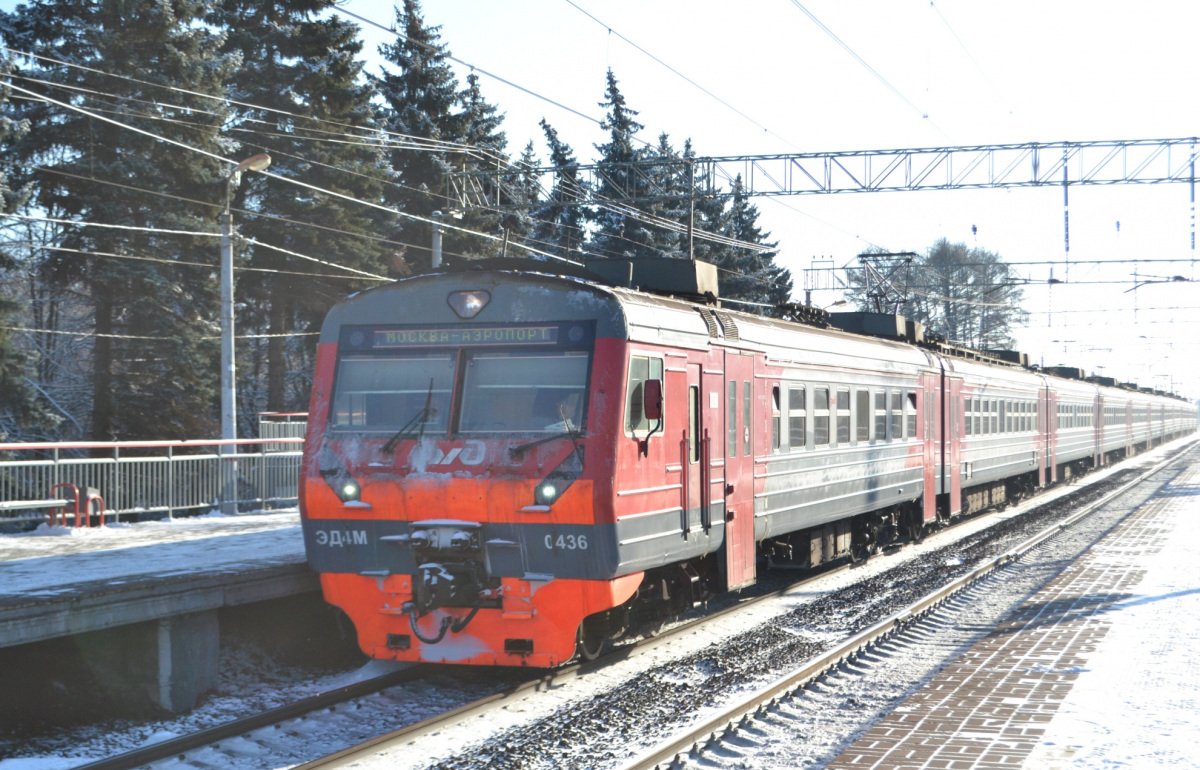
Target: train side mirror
{"points": [[652, 399]]}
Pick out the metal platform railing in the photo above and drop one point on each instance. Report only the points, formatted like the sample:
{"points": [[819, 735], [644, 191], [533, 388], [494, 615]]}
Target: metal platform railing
{"points": [[149, 478]]}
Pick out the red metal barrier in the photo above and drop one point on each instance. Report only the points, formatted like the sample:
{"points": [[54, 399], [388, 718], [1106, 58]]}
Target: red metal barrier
{"points": [[73, 496], [82, 503]]}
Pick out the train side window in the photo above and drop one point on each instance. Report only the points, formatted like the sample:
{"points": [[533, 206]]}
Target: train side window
{"points": [[996, 417], [746, 421], [821, 416], [641, 368], [693, 423], [969, 413], [775, 419], [862, 415], [896, 416], [910, 414], [797, 419], [978, 416], [843, 415], [881, 416], [731, 429]]}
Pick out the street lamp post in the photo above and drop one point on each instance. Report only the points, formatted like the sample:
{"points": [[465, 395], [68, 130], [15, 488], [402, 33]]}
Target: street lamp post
{"points": [[228, 365]]}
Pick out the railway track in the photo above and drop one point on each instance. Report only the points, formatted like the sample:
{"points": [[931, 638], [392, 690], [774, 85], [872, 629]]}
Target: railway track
{"points": [[861, 651], [236, 739], [590, 722]]}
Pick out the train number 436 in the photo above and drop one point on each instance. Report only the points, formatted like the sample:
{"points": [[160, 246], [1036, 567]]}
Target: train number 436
{"points": [[566, 543]]}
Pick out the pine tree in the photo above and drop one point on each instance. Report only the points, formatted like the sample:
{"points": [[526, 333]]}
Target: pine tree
{"points": [[19, 402], [710, 215], [525, 199], [617, 233], [480, 123], [560, 219], [421, 101], [154, 355], [317, 120], [747, 274]]}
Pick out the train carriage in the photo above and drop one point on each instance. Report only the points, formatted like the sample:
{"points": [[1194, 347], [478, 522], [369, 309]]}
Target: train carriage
{"points": [[506, 467]]}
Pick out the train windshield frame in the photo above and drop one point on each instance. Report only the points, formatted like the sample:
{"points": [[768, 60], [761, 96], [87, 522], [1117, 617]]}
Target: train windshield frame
{"points": [[480, 381], [376, 393], [523, 391]]}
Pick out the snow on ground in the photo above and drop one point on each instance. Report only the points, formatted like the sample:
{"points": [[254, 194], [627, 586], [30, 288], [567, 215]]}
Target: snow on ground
{"points": [[56, 560], [1136, 702]]}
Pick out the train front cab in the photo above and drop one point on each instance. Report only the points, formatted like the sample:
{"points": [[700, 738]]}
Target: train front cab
{"points": [[452, 533]]}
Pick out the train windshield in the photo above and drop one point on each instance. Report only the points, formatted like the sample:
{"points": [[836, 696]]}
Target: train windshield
{"points": [[377, 393], [524, 391]]}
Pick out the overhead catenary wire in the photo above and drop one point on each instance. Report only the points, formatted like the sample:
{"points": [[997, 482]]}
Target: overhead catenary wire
{"points": [[235, 102], [158, 338], [681, 75], [296, 182], [854, 54], [615, 206]]}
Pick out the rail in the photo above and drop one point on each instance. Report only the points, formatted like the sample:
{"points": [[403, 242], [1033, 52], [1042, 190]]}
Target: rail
{"points": [[149, 478], [670, 752]]}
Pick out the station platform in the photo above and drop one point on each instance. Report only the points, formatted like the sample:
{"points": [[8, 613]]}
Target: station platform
{"points": [[1099, 668], [153, 587], [66, 580]]}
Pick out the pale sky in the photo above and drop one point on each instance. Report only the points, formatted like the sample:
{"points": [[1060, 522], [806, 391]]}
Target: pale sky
{"points": [[957, 74], [982, 72]]}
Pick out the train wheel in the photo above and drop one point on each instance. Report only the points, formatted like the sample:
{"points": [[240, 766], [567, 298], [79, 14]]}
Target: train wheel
{"points": [[915, 522], [588, 645], [864, 540]]}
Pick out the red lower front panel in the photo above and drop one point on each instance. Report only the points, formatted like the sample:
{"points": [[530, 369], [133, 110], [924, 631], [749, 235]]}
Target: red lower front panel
{"points": [[539, 619]]}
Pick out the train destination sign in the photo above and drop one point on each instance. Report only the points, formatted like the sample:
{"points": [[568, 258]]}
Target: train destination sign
{"points": [[466, 335]]}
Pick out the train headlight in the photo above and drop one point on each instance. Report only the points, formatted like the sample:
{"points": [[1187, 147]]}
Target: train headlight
{"points": [[345, 486], [552, 487], [467, 304], [349, 491], [546, 493]]}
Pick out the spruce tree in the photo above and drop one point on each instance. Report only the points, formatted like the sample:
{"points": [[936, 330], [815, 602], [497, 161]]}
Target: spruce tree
{"points": [[312, 110], [559, 225], [421, 100], [710, 215], [617, 234], [484, 144], [19, 402], [747, 274], [524, 196], [154, 357]]}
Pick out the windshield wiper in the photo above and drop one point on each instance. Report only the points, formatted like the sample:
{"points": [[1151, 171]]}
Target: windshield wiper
{"points": [[529, 445], [570, 433], [417, 423]]}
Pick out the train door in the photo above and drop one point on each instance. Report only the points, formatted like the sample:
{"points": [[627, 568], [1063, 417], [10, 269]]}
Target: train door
{"points": [[739, 470], [954, 432], [1049, 403], [931, 434], [692, 448]]}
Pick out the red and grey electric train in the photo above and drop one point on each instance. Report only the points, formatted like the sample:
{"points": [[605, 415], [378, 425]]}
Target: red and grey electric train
{"points": [[508, 467]]}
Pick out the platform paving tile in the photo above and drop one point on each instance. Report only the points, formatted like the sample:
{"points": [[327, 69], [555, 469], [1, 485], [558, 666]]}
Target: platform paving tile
{"points": [[988, 709]]}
